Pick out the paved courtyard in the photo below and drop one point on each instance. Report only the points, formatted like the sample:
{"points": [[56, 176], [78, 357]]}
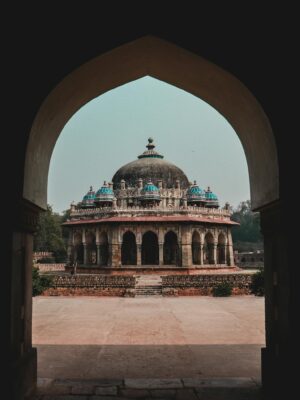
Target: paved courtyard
{"points": [[154, 337]]}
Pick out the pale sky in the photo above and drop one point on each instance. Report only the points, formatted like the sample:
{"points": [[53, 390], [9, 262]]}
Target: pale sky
{"points": [[113, 129]]}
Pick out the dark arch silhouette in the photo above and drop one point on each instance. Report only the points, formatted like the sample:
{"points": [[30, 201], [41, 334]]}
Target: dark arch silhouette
{"points": [[221, 253], [171, 249], [103, 243], [128, 250], [196, 248], [208, 249], [150, 252]]}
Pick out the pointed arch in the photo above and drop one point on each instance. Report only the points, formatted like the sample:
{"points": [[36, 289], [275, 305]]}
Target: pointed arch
{"points": [[171, 249], [128, 249], [196, 248], [208, 249], [150, 250]]}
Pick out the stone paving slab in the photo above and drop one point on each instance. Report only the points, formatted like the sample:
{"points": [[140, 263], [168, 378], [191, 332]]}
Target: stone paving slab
{"points": [[159, 389], [154, 383]]}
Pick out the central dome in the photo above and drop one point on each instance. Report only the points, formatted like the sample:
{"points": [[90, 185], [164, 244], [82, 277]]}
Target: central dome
{"points": [[150, 166]]}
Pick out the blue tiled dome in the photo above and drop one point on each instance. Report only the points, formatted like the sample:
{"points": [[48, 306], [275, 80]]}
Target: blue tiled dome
{"points": [[88, 199], [150, 192], [211, 198], [195, 194], [104, 194]]}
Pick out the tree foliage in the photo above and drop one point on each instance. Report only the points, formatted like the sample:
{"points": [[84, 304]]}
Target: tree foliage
{"points": [[249, 229], [49, 235]]}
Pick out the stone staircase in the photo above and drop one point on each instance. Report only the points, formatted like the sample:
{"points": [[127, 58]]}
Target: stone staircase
{"points": [[148, 285]]}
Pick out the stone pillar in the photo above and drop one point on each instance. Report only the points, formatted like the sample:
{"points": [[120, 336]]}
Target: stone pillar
{"points": [[138, 254], [17, 322], [161, 254], [84, 253], [215, 246], [229, 252], [201, 253], [115, 255], [186, 248], [98, 253]]}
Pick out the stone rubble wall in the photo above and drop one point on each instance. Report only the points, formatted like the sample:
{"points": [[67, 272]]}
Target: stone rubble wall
{"points": [[202, 285], [50, 267], [124, 285], [91, 285]]}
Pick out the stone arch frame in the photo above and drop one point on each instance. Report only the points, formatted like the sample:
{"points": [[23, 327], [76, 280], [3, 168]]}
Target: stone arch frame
{"points": [[172, 64], [167, 62], [129, 250]]}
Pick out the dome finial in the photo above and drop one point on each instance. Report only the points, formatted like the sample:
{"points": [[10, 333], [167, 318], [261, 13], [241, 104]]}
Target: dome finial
{"points": [[150, 145]]}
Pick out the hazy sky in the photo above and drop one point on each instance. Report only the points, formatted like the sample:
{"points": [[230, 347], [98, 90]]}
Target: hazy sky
{"points": [[112, 130]]}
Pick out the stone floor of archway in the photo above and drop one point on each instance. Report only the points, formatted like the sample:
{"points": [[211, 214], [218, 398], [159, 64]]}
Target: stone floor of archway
{"points": [[148, 347]]}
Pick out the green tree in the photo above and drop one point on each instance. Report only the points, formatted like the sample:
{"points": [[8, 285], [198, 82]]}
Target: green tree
{"points": [[49, 235], [247, 236]]}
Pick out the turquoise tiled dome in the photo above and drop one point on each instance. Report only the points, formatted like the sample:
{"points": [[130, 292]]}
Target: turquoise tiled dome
{"points": [[104, 194], [88, 199], [211, 198], [150, 192], [195, 194]]}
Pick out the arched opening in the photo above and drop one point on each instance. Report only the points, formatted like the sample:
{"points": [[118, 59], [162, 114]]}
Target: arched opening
{"points": [[91, 248], [171, 249], [150, 252], [221, 252], [208, 249], [102, 258], [150, 56], [78, 248], [128, 250], [196, 249]]}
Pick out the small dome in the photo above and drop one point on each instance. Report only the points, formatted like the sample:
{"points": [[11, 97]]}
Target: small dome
{"points": [[150, 192], [211, 198], [195, 194], [104, 194], [88, 199]]}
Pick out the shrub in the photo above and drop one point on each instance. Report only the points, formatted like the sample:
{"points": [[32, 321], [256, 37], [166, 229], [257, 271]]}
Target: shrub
{"points": [[222, 289], [40, 283], [257, 285], [46, 260]]}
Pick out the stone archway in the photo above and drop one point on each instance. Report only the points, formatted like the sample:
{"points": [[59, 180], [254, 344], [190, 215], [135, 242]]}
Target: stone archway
{"points": [[150, 56], [221, 249], [176, 66], [150, 249], [208, 249], [196, 249], [91, 248], [78, 248], [171, 249], [128, 249]]}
